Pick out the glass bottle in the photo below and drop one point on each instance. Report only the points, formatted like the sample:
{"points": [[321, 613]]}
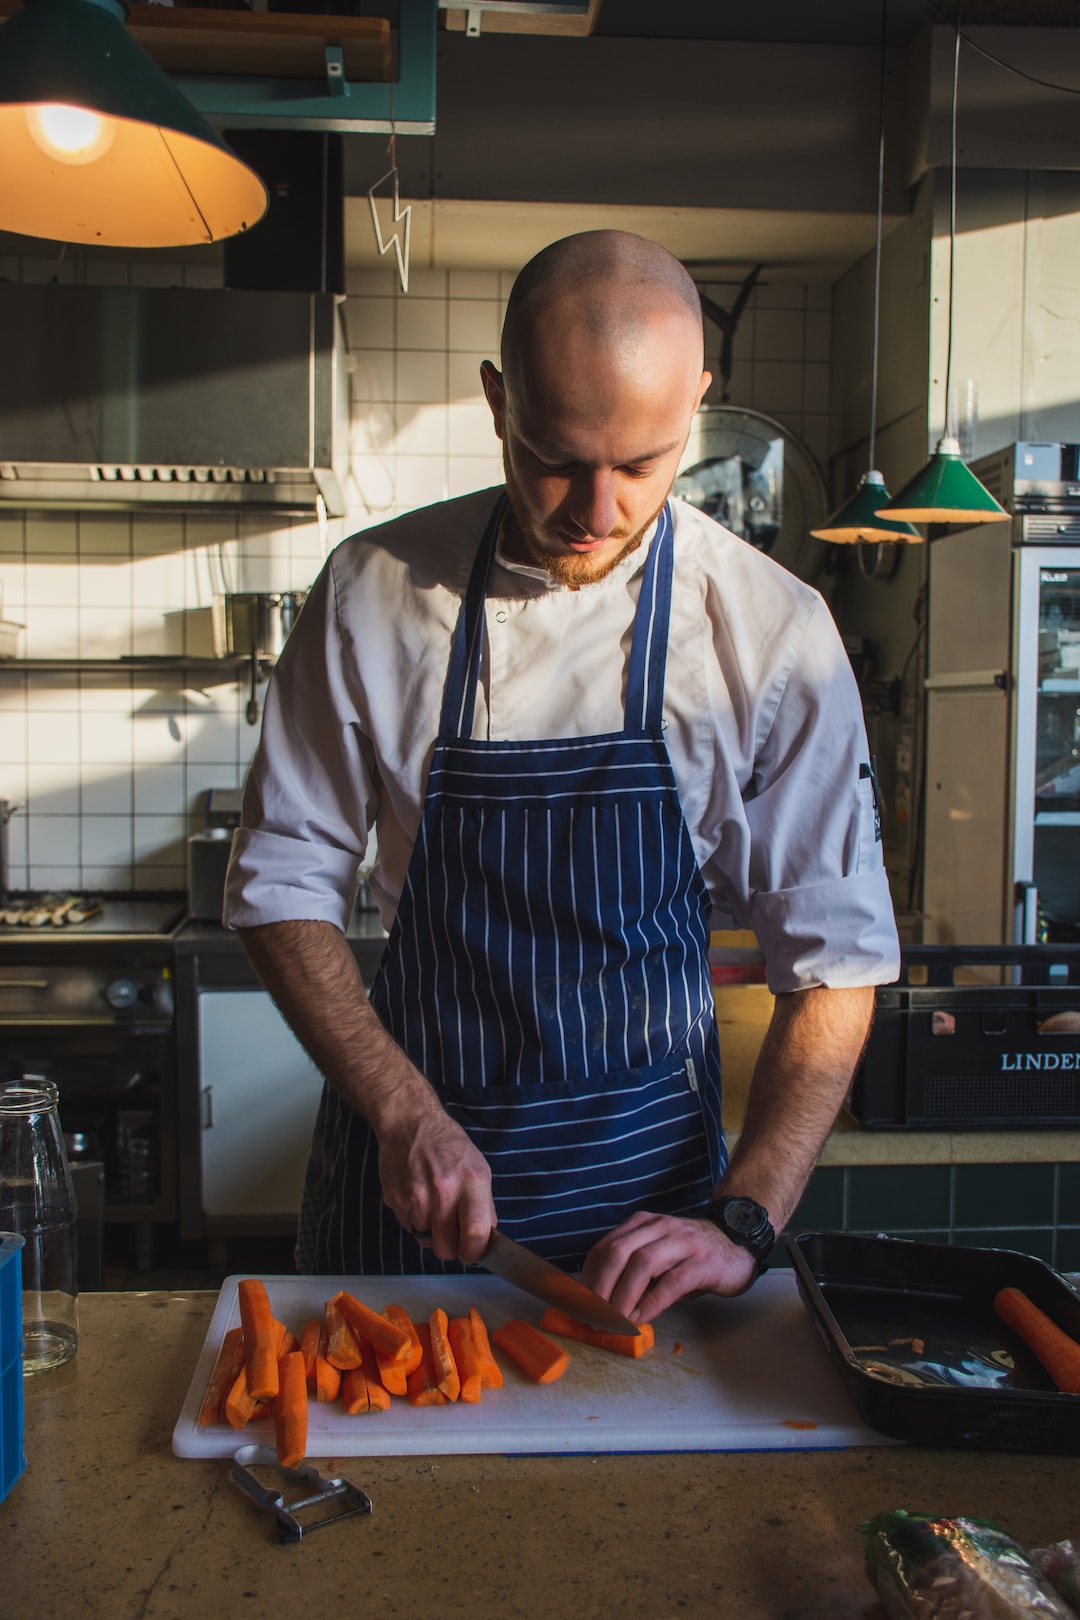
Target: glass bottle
{"points": [[37, 1200]]}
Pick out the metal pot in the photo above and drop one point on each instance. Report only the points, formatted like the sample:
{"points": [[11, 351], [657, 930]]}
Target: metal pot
{"points": [[256, 623]]}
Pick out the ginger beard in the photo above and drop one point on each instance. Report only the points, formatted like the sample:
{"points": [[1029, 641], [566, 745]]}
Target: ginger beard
{"points": [[566, 568]]}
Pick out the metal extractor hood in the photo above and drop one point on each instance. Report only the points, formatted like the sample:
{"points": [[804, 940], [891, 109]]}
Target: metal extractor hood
{"points": [[172, 397]]}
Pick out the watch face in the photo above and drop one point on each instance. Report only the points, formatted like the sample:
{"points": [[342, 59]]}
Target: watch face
{"points": [[743, 1215]]}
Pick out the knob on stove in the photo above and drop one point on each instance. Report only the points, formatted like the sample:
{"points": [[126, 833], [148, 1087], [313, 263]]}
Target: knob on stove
{"points": [[122, 994]]}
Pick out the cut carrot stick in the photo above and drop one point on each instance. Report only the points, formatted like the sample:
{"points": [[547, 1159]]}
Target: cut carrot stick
{"points": [[442, 1355], [423, 1388], [361, 1387], [392, 1374], [623, 1344], [343, 1347], [1059, 1353], [309, 1348], [490, 1372], [368, 1324], [289, 1343], [240, 1403], [260, 1337], [466, 1359], [327, 1379], [230, 1359], [538, 1357], [401, 1319], [291, 1411]]}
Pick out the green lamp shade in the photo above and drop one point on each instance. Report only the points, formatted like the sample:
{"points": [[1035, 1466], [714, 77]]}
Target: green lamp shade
{"points": [[945, 491], [858, 519], [159, 175]]}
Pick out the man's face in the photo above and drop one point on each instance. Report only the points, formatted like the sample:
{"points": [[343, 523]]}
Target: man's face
{"points": [[592, 433]]}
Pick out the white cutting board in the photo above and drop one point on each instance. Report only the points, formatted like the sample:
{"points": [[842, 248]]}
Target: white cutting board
{"points": [[751, 1375]]}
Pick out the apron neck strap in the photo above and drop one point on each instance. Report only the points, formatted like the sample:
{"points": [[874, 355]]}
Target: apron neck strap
{"points": [[648, 650]]}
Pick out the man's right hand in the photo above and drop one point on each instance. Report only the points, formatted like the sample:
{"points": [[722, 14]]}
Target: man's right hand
{"points": [[437, 1183]]}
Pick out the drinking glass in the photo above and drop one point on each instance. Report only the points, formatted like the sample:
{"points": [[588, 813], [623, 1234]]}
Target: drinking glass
{"points": [[37, 1200]]}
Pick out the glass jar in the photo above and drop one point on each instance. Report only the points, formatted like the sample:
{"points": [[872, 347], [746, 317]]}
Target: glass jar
{"points": [[37, 1200]]}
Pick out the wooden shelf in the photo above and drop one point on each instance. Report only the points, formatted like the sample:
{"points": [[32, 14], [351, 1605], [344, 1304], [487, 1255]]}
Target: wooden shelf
{"points": [[256, 44]]}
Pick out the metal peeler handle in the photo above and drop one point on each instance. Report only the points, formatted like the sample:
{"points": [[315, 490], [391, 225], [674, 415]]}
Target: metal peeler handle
{"points": [[290, 1528]]}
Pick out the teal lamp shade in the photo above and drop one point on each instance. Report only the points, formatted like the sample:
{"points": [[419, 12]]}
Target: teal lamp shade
{"points": [[858, 519], [945, 491], [100, 146]]}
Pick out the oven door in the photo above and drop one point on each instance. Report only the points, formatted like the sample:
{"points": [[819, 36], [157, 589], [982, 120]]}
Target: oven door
{"points": [[117, 1104]]}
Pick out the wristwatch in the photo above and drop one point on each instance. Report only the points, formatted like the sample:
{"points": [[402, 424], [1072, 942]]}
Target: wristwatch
{"points": [[745, 1223]]}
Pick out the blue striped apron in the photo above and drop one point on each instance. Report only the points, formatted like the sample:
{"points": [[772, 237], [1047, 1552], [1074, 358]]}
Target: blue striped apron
{"points": [[547, 970]]}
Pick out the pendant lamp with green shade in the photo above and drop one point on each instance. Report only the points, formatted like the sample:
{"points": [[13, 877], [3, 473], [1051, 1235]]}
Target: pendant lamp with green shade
{"points": [[945, 490], [858, 519], [100, 146]]}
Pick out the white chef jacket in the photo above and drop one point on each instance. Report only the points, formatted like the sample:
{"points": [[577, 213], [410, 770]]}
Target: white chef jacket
{"points": [[762, 721]]}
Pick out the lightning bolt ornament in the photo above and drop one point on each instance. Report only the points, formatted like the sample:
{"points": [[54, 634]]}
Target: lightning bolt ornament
{"points": [[397, 239]]}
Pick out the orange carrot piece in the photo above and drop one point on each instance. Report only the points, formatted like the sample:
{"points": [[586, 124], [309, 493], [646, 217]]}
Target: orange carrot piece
{"points": [[401, 1319], [538, 1357], [260, 1337], [490, 1372], [1059, 1353], [240, 1403], [442, 1355], [361, 1387], [623, 1344], [369, 1324], [327, 1379], [309, 1348], [392, 1374], [289, 1343], [423, 1388], [343, 1348], [230, 1359], [291, 1411], [466, 1359]]}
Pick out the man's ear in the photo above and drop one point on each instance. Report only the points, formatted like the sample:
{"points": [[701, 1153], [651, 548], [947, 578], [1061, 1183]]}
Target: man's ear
{"points": [[495, 393]]}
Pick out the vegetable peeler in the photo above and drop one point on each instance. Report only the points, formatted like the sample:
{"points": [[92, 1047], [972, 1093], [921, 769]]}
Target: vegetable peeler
{"points": [[326, 1490]]}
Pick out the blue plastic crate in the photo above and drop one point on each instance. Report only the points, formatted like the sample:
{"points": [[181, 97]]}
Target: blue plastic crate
{"points": [[12, 1460]]}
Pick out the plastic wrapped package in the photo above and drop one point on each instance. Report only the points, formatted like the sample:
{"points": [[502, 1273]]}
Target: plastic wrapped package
{"points": [[926, 1568], [1060, 1565]]}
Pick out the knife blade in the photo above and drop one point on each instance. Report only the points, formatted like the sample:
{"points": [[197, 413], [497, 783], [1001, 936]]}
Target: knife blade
{"points": [[515, 1264]]}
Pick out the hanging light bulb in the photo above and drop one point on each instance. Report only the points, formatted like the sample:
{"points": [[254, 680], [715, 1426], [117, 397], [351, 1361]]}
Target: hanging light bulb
{"points": [[857, 520], [100, 146], [946, 490], [71, 134]]}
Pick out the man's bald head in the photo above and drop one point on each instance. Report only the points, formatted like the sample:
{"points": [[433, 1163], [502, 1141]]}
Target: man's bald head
{"points": [[605, 285]]}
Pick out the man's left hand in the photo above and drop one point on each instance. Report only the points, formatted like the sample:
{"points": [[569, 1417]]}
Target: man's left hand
{"points": [[648, 1262]]}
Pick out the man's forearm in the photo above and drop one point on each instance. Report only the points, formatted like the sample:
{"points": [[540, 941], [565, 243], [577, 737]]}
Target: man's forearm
{"points": [[809, 1053], [311, 973]]}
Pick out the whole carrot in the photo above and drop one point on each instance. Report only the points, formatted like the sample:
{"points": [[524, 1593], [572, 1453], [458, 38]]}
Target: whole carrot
{"points": [[1059, 1354], [260, 1337], [490, 1372], [623, 1344], [538, 1357], [291, 1411]]}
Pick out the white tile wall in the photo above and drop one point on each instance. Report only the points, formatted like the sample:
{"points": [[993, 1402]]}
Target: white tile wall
{"points": [[113, 768]]}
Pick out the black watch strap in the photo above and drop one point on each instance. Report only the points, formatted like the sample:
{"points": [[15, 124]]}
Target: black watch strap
{"points": [[745, 1222]]}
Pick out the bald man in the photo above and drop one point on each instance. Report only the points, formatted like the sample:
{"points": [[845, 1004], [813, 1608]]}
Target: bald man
{"points": [[585, 724]]}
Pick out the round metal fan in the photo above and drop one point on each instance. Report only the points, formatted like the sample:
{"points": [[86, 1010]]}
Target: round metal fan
{"points": [[758, 479]]}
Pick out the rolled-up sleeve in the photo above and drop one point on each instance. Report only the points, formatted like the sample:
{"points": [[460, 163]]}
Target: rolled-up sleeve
{"points": [[799, 858], [310, 796]]}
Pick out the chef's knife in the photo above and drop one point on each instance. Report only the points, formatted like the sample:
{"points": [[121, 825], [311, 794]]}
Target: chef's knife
{"points": [[518, 1265]]}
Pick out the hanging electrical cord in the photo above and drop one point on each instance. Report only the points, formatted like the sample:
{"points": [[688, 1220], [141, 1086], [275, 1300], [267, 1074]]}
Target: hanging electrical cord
{"points": [[1009, 67]]}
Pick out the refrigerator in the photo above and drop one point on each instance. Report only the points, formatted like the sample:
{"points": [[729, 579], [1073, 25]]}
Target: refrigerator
{"points": [[1001, 823]]}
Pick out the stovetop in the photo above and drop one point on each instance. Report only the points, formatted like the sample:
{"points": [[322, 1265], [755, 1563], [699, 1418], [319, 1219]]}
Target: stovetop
{"points": [[120, 916]]}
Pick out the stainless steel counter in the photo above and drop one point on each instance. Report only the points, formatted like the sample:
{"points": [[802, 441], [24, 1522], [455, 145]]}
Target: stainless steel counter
{"points": [[106, 1523]]}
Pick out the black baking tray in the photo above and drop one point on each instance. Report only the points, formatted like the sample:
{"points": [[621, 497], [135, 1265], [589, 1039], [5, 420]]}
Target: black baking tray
{"points": [[911, 1329]]}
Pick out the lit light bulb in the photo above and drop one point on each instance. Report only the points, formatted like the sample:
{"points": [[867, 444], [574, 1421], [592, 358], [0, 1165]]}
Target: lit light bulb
{"points": [[70, 134]]}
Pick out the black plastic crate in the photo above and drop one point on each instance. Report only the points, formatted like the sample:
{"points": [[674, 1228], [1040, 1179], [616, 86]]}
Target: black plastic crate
{"points": [[974, 1054]]}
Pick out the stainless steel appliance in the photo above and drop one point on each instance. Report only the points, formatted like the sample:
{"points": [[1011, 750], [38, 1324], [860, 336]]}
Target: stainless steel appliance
{"points": [[91, 1007], [1002, 820]]}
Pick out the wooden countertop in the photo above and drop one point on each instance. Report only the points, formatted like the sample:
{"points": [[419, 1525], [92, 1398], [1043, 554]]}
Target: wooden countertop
{"points": [[106, 1523]]}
